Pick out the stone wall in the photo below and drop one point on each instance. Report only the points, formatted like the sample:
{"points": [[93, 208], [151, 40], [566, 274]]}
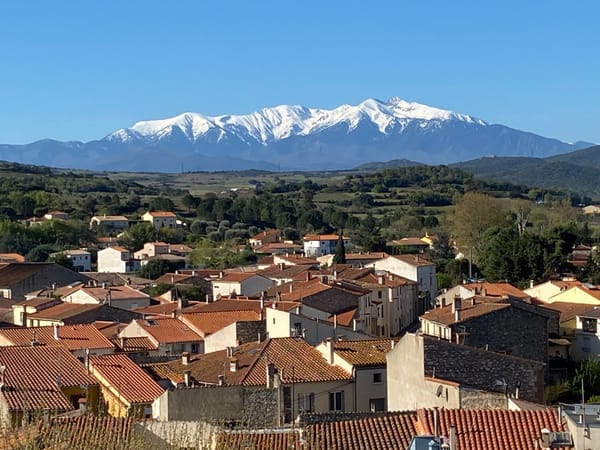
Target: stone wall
{"points": [[247, 406], [511, 330], [249, 331], [484, 370]]}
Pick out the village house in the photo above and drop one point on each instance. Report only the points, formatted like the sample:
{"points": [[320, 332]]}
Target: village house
{"points": [[74, 313], [482, 288], [366, 360], [81, 259], [414, 268], [117, 259], [152, 249], [409, 245], [321, 244], [305, 380], [396, 299], [127, 390], [430, 372], [504, 325], [80, 340], [239, 283], [160, 219], [265, 237], [21, 310], [56, 215], [122, 297], [287, 319], [109, 223], [579, 325], [222, 329], [169, 336], [25, 372], [18, 279]]}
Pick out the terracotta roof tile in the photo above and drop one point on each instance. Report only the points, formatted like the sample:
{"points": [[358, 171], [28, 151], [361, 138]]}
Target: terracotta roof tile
{"points": [[72, 337], [322, 237], [135, 344], [496, 290], [261, 440], [368, 255], [63, 311], [161, 214], [206, 323], [468, 311], [377, 431], [570, 310], [478, 429], [125, 378], [33, 376], [295, 360], [169, 330], [371, 352], [90, 432], [415, 260]]}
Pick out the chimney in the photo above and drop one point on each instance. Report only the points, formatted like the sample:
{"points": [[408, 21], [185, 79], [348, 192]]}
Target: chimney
{"points": [[456, 307], [270, 375], [233, 365], [221, 274], [307, 275], [221, 380], [335, 274], [354, 324], [452, 437], [103, 285], [281, 266], [186, 378], [530, 284], [185, 358], [291, 287], [380, 279], [330, 352], [56, 336]]}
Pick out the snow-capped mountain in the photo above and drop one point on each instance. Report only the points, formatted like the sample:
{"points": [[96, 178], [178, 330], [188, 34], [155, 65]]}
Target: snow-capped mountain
{"points": [[293, 137]]}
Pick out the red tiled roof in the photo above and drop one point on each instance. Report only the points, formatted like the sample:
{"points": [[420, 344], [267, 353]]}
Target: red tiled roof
{"points": [[410, 241], [169, 330], [323, 237], [33, 375], [234, 277], [344, 319], [206, 323], [63, 311], [125, 378], [367, 255], [495, 289], [377, 431], [89, 432], [468, 311], [371, 352], [161, 214], [260, 440], [570, 310], [296, 361], [135, 344], [478, 429], [264, 234], [298, 260], [72, 337], [415, 260]]}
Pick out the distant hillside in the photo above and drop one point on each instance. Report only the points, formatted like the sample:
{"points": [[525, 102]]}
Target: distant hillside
{"points": [[588, 157], [372, 166]]}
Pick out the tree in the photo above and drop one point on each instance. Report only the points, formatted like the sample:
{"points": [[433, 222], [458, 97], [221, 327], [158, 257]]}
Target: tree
{"points": [[473, 214], [340, 251], [63, 260], [157, 267]]}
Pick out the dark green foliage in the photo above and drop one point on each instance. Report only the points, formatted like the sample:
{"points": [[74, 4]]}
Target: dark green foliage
{"points": [[63, 260], [157, 267], [340, 251]]}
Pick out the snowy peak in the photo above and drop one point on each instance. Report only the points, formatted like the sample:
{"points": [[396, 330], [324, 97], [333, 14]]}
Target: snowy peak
{"points": [[280, 122]]}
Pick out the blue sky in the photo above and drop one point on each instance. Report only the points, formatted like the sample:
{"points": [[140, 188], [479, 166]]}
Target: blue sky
{"points": [[77, 70]]}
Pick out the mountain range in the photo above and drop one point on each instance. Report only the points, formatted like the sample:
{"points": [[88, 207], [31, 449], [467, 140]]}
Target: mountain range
{"points": [[293, 138]]}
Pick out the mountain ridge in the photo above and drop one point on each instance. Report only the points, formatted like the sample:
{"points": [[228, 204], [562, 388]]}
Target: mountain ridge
{"points": [[293, 137]]}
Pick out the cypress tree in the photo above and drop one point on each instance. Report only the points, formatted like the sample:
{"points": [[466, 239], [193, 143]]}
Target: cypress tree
{"points": [[340, 251]]}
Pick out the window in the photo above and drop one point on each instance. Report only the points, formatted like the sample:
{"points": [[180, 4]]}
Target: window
{"points": [[589, 325], [306, 402], [336, 401], [195, 348], [379, 294], [377, 378], [377, 404], [297, 329]]}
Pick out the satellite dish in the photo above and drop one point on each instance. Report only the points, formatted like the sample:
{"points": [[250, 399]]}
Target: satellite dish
{"points": [[439, 391]]}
